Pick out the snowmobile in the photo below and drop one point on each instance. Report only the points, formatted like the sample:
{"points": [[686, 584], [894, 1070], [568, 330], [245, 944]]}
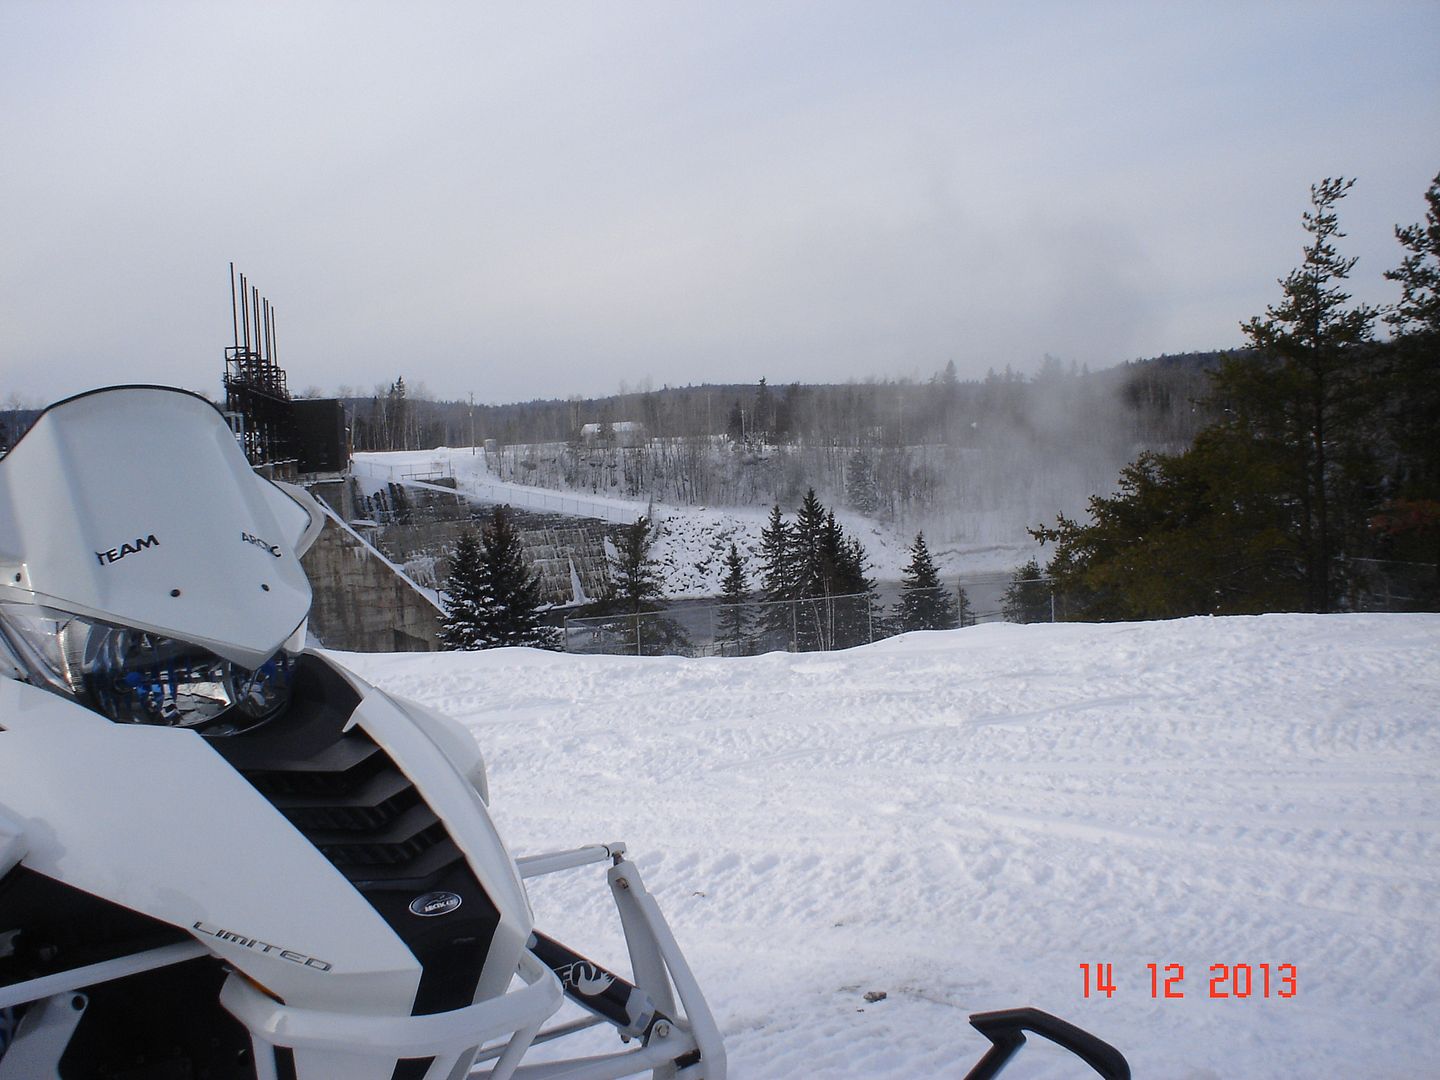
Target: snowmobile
{"points": [[225, 856]]}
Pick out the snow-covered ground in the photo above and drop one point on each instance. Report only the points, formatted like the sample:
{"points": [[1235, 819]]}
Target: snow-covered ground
{"points": [[963, 819], [693, 539]]}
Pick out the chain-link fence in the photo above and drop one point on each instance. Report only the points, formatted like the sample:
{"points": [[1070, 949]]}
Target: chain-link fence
{"points": [[817, 624], [838, 622], [1392, 585]]}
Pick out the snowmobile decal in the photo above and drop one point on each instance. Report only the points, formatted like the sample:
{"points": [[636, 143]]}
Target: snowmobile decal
{"points": [[231, 936], [114, 555], [593, 987], [265, 545], [585, 978], [435, 903]]}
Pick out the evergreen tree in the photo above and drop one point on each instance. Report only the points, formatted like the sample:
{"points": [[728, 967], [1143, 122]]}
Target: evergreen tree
{"points": [[1027, 600], [1198, 533], [634, 572], [467, 601], [830, 558], [809, 572], [841, 613], [1304, 393], [860, 489], [1413, 391], [777, 580], [924, 603], [636, 584], [764, 411], [397, 416], [810, 621], [1419, 272], [512, 588], [492, 598], [735, 426], [734, 598], [861, 619], [777, 563]]}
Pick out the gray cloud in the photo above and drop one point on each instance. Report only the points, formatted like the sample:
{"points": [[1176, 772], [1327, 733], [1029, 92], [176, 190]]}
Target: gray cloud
{"points": [[554, 198]]}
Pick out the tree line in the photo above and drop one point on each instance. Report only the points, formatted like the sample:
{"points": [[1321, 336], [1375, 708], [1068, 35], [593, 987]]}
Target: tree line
{"points": [[814, 591], [1152, 398]]}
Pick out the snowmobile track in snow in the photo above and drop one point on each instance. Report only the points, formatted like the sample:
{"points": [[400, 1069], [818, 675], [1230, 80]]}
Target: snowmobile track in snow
{"points": [[962, 819]]}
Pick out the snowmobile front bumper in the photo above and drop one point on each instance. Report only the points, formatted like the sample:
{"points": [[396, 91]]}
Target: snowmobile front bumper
{"points": [[674, 1043]]}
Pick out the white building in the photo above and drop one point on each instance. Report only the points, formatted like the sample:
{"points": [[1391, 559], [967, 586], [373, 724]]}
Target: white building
{"points": [[621, 433]]}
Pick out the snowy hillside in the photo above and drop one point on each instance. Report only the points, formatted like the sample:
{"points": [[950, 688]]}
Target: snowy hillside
{"points": [[693, 539], [963, 819]]}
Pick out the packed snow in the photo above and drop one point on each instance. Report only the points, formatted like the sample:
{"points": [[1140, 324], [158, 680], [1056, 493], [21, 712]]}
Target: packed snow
{"points": [[962, 819], [693, 540]]}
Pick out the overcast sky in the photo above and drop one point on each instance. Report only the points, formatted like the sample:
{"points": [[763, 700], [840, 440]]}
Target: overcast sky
{"points": [[542, 199]]}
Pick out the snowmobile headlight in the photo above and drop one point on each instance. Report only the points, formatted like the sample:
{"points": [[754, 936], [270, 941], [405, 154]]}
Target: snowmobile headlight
{"points": [[138, 677]]}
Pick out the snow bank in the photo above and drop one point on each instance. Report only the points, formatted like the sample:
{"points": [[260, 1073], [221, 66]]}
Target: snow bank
{"points": [[693, 540], [962, 819]]}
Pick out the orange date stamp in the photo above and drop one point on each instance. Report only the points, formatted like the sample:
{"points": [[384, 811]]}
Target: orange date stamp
{"points": [[1167, 981]]}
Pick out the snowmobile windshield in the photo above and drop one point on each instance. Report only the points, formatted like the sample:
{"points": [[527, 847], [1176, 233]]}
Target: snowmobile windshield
{"points": [[136, 677]]}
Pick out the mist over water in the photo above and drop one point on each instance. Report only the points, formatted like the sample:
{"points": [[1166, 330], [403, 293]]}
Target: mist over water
{"points": [[974, 465]]}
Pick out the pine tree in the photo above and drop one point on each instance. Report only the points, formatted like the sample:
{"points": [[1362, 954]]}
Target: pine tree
{"points": [[777, 564], [859, 614], [1413, 391], [810, 621], [924, 603], [1419, 272], [809, 573], [467, 600], [636, 584], [735, 426], [492, 598], [764, 411], [1198, 533], [513, 616], [777, 579], [633, 569], [860, 490], [735, 595], [1306, 389], [398, 415], [842, 614], [1027, 600]]}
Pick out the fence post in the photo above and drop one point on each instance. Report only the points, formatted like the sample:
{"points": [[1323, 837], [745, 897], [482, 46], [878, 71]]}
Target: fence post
{"points": [[637, 634], [794, 634]]}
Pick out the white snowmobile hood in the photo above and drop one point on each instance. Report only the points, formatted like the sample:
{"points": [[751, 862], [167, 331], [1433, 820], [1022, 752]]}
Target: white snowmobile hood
{"points": [[135, 505]]}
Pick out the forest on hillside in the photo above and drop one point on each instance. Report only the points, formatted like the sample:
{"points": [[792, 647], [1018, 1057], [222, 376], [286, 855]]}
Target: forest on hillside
{"points": [[970, 461], [1152, 399]]}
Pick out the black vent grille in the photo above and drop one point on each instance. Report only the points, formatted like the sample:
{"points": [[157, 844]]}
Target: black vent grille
{"points": [[361, 811], [349, 798]]}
